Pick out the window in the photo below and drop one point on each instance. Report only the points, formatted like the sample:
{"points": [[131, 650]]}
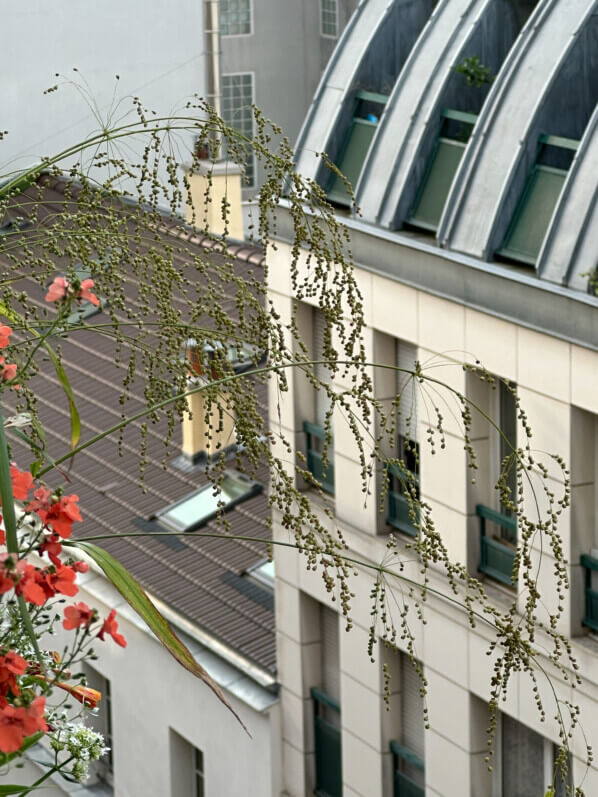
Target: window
{"points": [[198, 774], [408, 754], [539, 198], [201, 506], [404, 487], [315, 434], [498, 524], [237, 100], [326, 701], [455, 131], [102, 723], [264, 573], [329, 18], [235, 17], [369, 107]]}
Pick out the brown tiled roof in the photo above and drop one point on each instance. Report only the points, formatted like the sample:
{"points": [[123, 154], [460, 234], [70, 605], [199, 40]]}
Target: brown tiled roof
{"points": [[201, 578]]}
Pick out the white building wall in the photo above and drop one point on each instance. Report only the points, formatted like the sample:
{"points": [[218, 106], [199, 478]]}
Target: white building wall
{"points": [[554, 378], [152, 694]]}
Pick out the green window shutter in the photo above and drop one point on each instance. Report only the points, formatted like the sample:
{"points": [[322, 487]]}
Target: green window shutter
{"points": [[534, 211], [437, 183], [352, 158]]}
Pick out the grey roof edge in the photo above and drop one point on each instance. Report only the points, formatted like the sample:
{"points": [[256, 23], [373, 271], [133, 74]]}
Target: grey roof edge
{"points": [[502, 291], [233, 247], [260, 695]]}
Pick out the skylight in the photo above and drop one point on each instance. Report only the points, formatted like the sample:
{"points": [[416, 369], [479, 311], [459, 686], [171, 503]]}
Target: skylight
{"points": [[199, 507], [264, 573]]}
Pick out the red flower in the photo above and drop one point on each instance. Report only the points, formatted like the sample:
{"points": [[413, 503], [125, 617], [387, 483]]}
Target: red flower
{"points": [[80, 567], [22, 482], [7, 573], [32, 585], [86, 294], [109, 627], [60, 515], [2, 533], [5, 333], [17, 723], [77, 615], [63, 581], [10, 665], [51, 546], [57, 289]]}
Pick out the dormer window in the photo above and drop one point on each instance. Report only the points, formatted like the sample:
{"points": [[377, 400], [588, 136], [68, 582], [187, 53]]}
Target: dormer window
{"points": [[534, 210], [369, 107], [455, 131]]}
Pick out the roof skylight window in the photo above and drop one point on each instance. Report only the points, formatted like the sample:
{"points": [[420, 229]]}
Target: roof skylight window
{"points": [[455, 132], [201, 506], [263, 572], [369, 107], [534, 210]]}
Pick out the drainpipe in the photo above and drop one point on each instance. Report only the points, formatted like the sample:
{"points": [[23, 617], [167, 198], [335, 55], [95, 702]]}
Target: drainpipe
{"points": [[212, 23]]}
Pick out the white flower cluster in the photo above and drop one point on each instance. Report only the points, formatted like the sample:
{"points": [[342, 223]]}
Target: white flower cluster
{"points": [[82, 743]]}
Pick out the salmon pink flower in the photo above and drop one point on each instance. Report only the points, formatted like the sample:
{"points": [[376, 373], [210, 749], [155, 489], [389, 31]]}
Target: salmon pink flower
{"points": [[10, 665], [5, 333], [57, 289], [77, 615], [85, 292], [110, 627], [8, 371], [22, 482], [80, 567], [7, 573]]}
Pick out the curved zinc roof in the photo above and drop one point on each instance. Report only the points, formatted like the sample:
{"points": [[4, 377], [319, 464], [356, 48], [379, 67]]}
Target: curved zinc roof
{"points": [[475, 121]]}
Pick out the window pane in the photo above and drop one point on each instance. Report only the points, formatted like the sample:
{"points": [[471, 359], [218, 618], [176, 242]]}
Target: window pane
{"points": [[534, 213], [438, 183], [522, 760], [328, 18], [237, 98], [235, 17]]}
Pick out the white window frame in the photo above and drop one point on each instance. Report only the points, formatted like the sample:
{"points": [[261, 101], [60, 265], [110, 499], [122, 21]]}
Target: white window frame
{"points": [[336, 21], [253, 184], [239, 35]]}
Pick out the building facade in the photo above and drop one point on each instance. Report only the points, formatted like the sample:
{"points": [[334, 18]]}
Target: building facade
{"points": [[476, 241]]}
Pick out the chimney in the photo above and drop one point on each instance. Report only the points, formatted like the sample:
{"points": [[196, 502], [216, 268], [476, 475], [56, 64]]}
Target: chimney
{"points": [[223, 181], [201, 439]]}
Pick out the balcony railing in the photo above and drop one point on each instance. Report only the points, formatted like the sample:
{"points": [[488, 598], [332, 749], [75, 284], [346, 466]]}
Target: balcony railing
{"points": [[324, 474], [591, 618], [329, 775], [400, 514], [407, 766], [497, 552]]}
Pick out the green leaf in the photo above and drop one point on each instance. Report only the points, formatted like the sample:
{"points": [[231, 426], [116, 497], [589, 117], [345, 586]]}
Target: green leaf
{"points": [[11, 788], [66, 386], [28, 742], [135, 596]]}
